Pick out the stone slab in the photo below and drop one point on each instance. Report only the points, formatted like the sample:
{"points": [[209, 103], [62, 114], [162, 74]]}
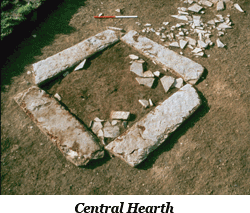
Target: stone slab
{"points": [[119, 115], [184, 67], [145, 81], [137, 68], [50, 67], [71, 137], [167, 82], [152, 130]]}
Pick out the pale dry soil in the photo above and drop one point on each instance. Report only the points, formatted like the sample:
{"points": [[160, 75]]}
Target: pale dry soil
{"points": [[208, 154]]}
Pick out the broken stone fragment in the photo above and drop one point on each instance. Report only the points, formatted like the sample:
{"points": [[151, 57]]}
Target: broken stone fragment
{"points": [[148, 74], [219, 43], [111, 131], [115, 28], [237, 6], [191, 41], [81, 65], [174, 44], [145, 81], [118, 10], [144, 103], [133, 57], [96, 126], [107, 123], [151, 102], [167, 82], [197, 50], [114, 122], [137, 68], [119, 115], [197, 21], [211, 22], [100, 133], [206, 3], [157, 73], [58, 97], [183, 44], [178, 83], [72, 138], [181, 17], [147, 25], [202, 44], [224, 26], [220, 6], [195, 8], [98, 119], [153, 129], [165, 23]]}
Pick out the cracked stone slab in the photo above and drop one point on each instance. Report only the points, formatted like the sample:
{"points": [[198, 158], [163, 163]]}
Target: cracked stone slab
{"points": [[71, 137], [50, 67], [180, 65], [152, 130]]}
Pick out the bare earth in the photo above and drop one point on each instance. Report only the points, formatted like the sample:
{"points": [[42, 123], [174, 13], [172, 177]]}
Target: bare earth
{"points": [[208, 154]]}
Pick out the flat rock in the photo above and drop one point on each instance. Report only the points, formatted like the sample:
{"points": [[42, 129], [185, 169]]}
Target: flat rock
{"points": [[189, 70], [181, 17], [111, 131], [174, 44], [81, 65], [152, 130], [167, 82], [145, 81], [144, 103], [157, 73], [224, 26], [206, 3], [71, 137], [137, 68], [191, 41], [237, 6], [133, 57], [195, 8], [178, 83], [202, 44], [150, 102], [50, 67], [220, 6], [58, 97], [148, 74], [219, 43], [183, 44], [119, 115]]}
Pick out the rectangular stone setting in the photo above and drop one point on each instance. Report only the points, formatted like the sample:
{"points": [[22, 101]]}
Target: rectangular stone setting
{"points": [[182, 66], [52, 66], [71, 137], [146, 135]]}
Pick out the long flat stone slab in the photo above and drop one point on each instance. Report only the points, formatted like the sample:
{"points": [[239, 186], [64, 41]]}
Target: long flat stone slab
{"points": [[52, 66], [151, 131], [72, 138], [182, 66]]}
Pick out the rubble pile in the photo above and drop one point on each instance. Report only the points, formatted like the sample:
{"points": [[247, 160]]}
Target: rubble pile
{"points": [[193, 32]]}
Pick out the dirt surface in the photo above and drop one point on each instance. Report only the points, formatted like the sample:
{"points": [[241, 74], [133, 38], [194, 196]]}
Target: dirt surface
{"points": [[208, 154]]}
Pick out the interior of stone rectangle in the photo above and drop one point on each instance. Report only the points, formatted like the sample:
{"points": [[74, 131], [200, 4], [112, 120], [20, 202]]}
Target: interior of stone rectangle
{"points": [[105, 84]]}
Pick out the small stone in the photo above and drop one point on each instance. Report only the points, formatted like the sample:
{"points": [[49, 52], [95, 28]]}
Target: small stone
{"points": [[224, 26], [211, 22], [100, 14], [190, 46], [197, 21], [195, 8], [219, 43], [165, 23], [157, 73], [237, 6], [148, 74], [181, 17], [125, 124], [174, 44], [114, 122], [111, 131], [207, 3], [137, 68], [220, 33], [107, 123], [81, 65], [118, 10], [96, 127], [158, 33], [191, 41], [100, 133], [178, 83], [144, 103], [147, 25], [34, 36], [98, 119], [58, 97], [29, 72], [202, 44], [199, 54], [220, 6], [140, 61], [167, 82], [133, 57], [150, 102], [145, 81], [119, 115], [190, 1], [197, 50], [115, 28], [182, 44]]}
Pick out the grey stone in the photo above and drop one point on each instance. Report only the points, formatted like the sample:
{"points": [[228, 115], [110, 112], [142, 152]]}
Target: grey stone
{"points": [[133, 57], [96, 126], [206, 3], [50, 67], [183, 44], [137, 68], [219, 43], [148, 74], [174, 44], [144, 103], [197, 21], [157, 73], [202, 44], [71, 137], [195, 8], [111, 131], [81, 65], [58, 97], [119, 115], [145, 81], [191, 41], [114, 122], [178, 83], [115, 28], [151, 102], [189, 70], [237, 6], [181, 17], [153, 129], [224, 26], [107, 123], [167, 82], [220, 6], [211, 22]]}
